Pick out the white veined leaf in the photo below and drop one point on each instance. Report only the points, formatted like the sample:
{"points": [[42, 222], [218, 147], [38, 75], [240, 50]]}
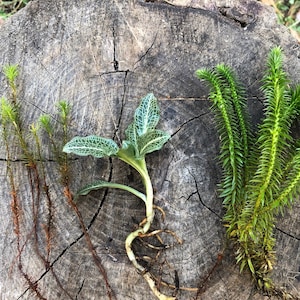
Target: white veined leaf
{"points": [[91, 145], [131, 134], [129, 148], [146, 115], [126, 144], [152, 141]]}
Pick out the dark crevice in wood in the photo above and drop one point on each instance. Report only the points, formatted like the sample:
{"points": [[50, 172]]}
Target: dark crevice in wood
{"points": [[176, 281], [210, 209], [97, 260], [288, 234], [191, 195], [80, 289], [104, 196], [115, 61], [53, 263], [146, 52], [24, 161], [200, 199], [111, 72], [115, 135], [188, 121]]}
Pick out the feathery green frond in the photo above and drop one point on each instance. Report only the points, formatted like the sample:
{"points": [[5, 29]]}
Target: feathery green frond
{"points": [[64, 109], [290, 188], [273, 141], [229, 145], [261, 178], [45, 123], [11, 72], [231, 117], [8, 111], [236, 94]]}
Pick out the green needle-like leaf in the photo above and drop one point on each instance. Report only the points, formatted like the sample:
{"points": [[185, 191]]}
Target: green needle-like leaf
{"points": [[273, 141], [261, 178], [11, 72], [91, 145], [231, 155], [8, 111]]}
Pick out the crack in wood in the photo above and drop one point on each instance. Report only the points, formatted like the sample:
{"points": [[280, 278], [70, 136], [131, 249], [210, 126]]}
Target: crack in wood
{"points": [[52, 264], [74, 242], [146, 52], [80, 289], [103, 198], [200, 199], [24, 161], [110, 72], [115, 135], [187, 122], [116, 63], [288, 234]]}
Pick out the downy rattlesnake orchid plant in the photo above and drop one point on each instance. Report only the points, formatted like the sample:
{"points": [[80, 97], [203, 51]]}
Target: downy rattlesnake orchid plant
{"points": [[142, 138], [261, 172]]}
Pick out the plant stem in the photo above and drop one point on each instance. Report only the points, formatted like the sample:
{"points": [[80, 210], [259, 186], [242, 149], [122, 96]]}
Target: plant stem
{"points": [[141, 168], [106, 184]]}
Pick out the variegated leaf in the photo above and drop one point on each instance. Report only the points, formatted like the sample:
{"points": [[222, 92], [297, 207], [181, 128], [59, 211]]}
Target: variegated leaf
{"points": [[152, 141], [91, 145], [146, 115]]}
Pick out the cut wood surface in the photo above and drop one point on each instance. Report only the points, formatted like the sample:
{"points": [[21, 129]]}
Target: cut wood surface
{"points": [[103, 57]]}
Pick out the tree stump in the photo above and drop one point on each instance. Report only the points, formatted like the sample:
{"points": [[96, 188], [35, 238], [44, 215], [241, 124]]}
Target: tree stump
{"points": [[103, 57]]}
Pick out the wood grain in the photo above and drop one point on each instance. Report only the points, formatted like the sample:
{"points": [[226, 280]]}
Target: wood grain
{"points": [[103, 57]]}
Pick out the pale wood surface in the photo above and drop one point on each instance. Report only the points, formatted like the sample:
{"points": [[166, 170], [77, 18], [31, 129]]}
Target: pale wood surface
{"points": [[103, 56]]}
